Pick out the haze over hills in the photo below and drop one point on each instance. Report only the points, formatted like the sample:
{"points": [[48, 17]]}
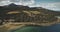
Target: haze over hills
{"points": [[22, 13]]}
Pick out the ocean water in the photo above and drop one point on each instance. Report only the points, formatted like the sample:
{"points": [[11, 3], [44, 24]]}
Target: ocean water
{"points": [[54, 28]]}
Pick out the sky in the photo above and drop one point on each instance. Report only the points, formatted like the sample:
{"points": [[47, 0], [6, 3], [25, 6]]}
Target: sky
{"points": [[48, 4]]}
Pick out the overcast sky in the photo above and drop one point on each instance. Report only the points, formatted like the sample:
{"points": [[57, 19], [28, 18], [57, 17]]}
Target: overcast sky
{"points": [[49, 4]]}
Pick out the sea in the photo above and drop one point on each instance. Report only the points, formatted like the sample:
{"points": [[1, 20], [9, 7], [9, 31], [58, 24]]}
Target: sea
{"points": [[52, 28]]}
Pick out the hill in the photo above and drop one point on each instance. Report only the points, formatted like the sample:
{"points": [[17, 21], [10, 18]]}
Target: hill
{"points": [[20, 13]]}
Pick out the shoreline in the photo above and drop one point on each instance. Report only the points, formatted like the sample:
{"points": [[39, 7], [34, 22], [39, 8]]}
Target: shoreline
{"points": [[14, 25]]}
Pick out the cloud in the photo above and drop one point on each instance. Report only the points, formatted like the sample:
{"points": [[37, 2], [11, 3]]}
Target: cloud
{"points": [[25, 2], [52, 6], [33, 3], [3, 0], [6, 2], [14, 1], [18, 2]]}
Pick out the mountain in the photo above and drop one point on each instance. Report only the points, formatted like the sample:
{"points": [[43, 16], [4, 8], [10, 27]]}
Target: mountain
{"points": [[26, 14]]}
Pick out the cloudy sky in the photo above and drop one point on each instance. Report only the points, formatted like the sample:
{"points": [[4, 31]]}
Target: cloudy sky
{"points": [[49, 4]]}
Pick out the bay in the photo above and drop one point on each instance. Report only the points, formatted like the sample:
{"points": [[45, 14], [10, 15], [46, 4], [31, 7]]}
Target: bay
{"points": [[53, 28]]}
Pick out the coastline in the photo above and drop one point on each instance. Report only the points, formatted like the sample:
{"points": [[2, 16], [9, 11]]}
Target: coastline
{"points": [[14, 25]]}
